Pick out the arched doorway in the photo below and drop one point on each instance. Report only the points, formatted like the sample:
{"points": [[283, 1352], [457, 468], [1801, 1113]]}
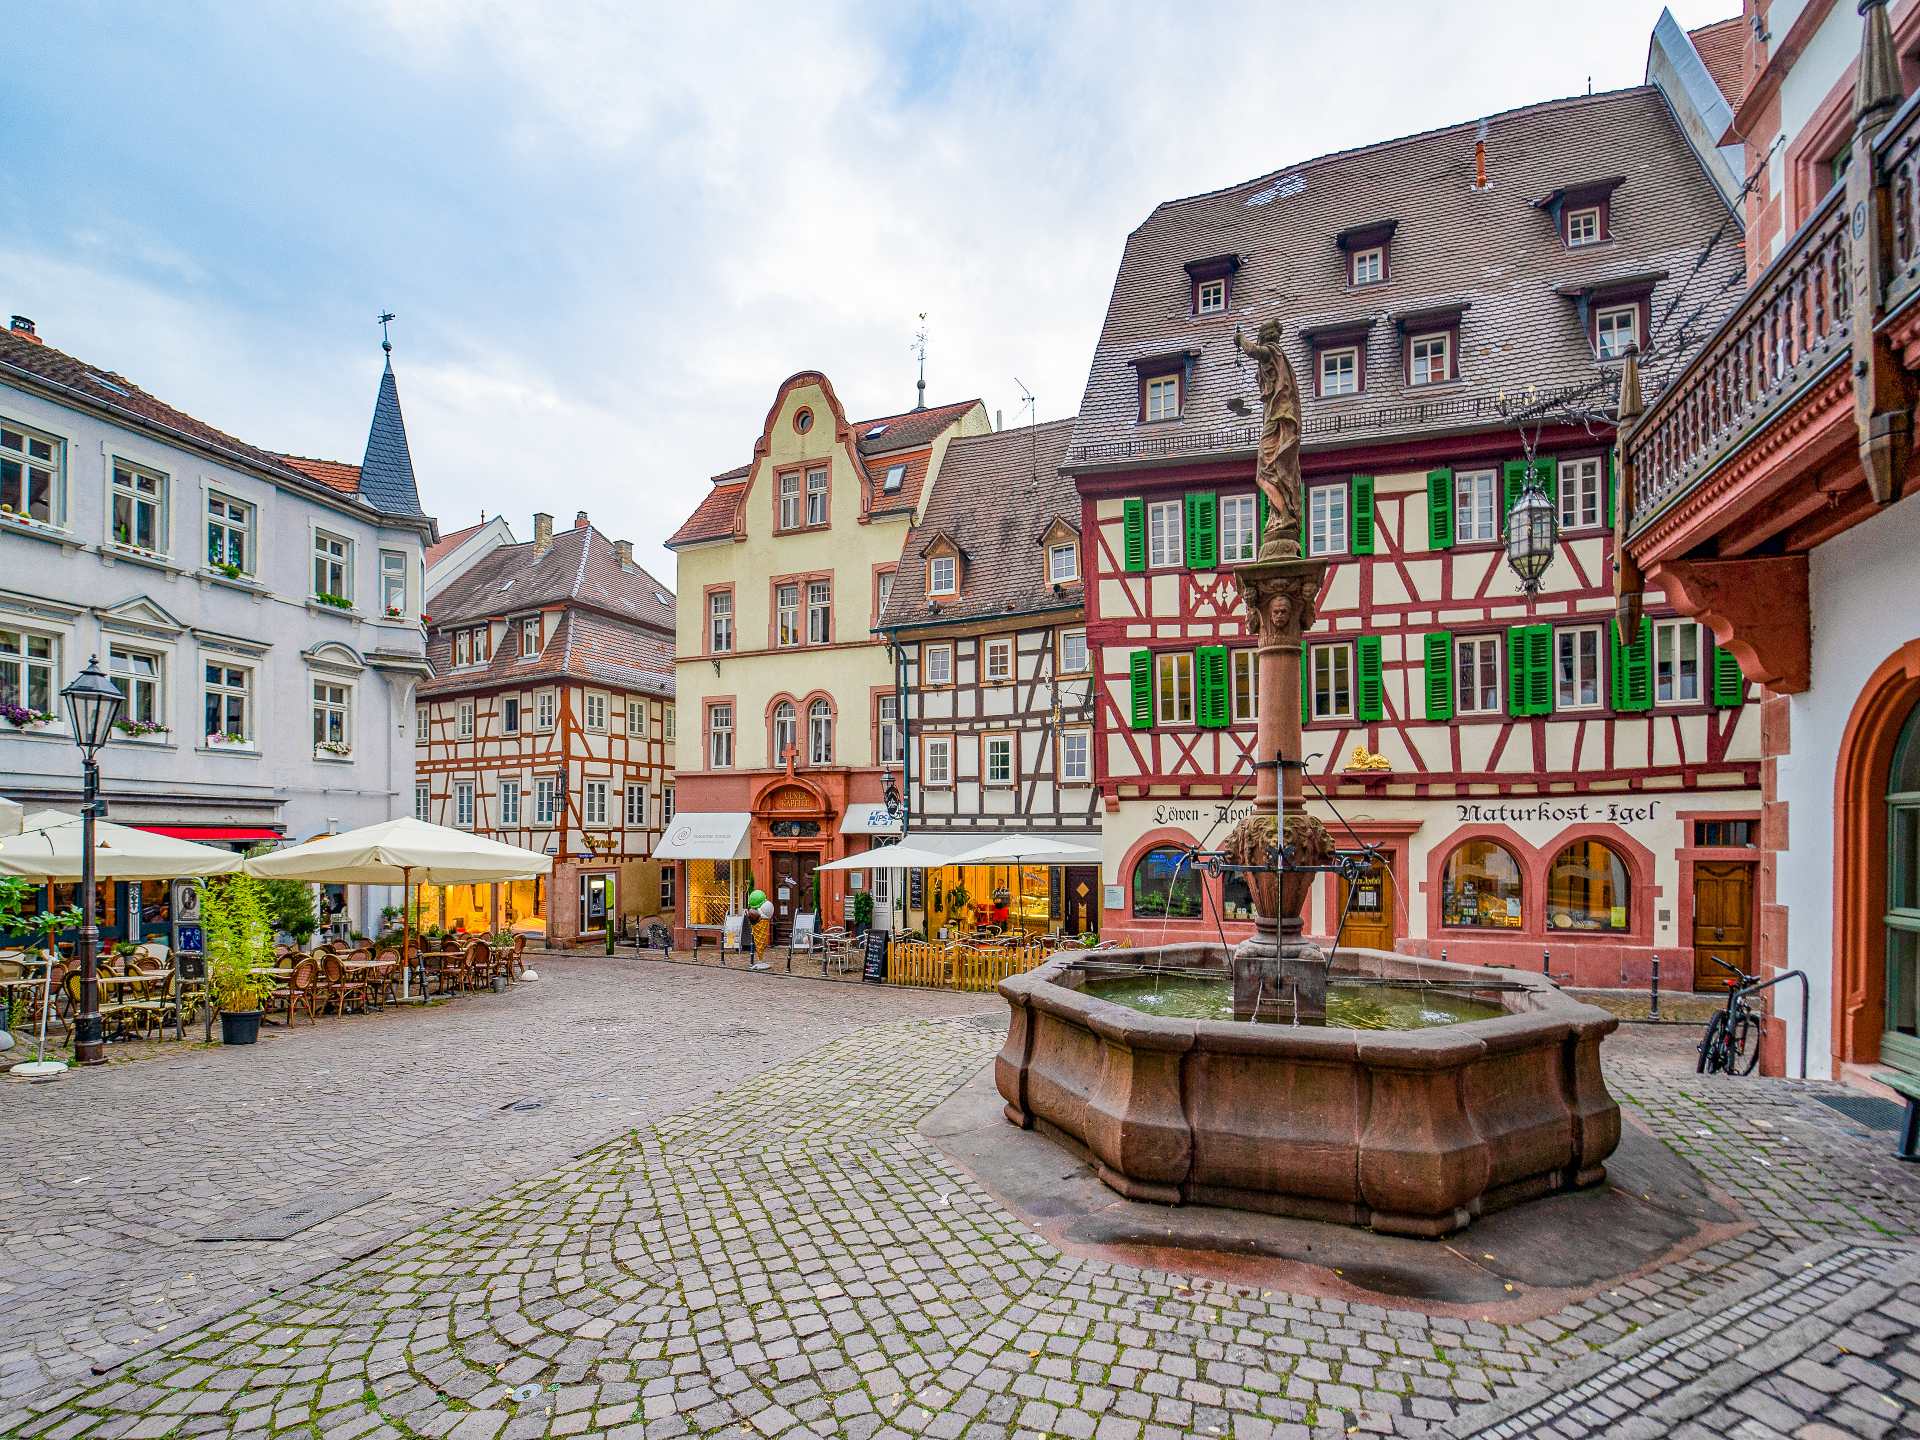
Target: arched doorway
{"points": [[795, 826], [1900, 1037]]}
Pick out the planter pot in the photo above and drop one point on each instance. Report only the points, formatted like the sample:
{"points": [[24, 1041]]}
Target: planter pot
{"points": [[499, 984], [239, 1027]]}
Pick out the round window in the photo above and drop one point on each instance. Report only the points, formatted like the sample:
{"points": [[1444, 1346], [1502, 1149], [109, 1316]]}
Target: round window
{"points": [[803, 420]]}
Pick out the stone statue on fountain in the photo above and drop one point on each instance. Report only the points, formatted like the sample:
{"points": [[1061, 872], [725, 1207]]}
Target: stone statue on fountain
{"points": [[1277, 975]]}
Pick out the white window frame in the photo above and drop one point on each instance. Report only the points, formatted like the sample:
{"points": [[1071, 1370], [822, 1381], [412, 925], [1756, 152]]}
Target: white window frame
{"points": [[1422, 351], [1582, 494], [22, 456], [786, 615], [529, 636], [997, 662], [20, 668], [1368, 267], [593, 803], [395, 601], [1339, 379], [1063, 563], [1173, 687], [463, 804], [422, 801], [323, 556], [937, 762], [1327, 525], [1583, 226], [1210, 297], [510, 714], [593, 709], [720, 737], [158, 500], [1070, 642], [1465, 671], [1577, 652], [997, 764], [463, 720], [509, 803], [228, 688], [635, 810], [789, 486], [327, 708], [1239, 528], [1476, 496], [636, 718], [819, 612], [1166, 536], [1674, 638], [546, 704], [943, 575], [1244, 688], [231, 517], [666, 722], [816, 497], [785, 732], [421, 716], [546, 797], [1330, 673], [939, 665], [820, 727], [1160, 397], [720, 622], [886, 724], [666, 805], [133, 684], [1611, 339], [1076, 755]]}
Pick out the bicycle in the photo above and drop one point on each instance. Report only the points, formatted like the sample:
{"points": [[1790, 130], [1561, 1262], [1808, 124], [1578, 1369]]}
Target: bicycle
{"points": [[1731, 1045]]}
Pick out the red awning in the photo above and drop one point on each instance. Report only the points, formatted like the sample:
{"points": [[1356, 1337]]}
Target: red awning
{"points": [[212, 832]]}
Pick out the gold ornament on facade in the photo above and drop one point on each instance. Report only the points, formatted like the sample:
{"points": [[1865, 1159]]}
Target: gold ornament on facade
{"points": [[1365, 759]]}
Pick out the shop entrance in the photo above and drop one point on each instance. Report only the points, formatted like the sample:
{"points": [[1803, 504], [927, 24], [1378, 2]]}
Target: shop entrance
{"points": [[1722, 921], [1082, 899], [792, 889], [1369, 908]]}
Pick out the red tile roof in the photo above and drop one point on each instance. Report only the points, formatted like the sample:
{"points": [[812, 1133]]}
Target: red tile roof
{"points": [[1722, 47], [718, 512], [450, 542], [334, 474]]}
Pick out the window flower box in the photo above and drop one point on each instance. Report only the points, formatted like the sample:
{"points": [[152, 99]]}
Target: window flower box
{"points": [[339, 748], [139, 729], [228, 738], [394, 612], [337, 602], [226, 568], [21, 718]]}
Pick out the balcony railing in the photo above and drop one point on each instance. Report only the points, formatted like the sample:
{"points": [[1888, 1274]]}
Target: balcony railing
{"points": [[1898, 147], [1790, 328]]}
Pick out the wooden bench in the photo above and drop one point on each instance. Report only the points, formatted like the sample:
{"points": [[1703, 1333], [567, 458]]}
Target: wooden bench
{"points": [[1908, 1088]]}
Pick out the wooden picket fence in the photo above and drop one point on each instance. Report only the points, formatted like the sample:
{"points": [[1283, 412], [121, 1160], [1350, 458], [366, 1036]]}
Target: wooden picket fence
{"points": [[955, 965]]}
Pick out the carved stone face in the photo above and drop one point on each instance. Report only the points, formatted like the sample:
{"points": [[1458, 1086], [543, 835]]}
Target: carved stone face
{"points": [[1279, 612]]}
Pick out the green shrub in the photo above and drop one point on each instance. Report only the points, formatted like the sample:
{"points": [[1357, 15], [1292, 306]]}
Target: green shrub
{"points": [[239, 942]]}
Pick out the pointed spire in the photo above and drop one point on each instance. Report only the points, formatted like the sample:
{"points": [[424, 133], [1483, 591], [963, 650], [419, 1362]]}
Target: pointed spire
{"points": [[386, 471], [1876, 90], [920, 349]]}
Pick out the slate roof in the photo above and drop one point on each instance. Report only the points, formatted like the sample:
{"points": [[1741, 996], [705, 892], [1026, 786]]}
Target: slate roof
{"points": [[579, 567], [1494, 247], [386, 470], [997, 496], [908, 437], [1722, 48], [584, 645]]}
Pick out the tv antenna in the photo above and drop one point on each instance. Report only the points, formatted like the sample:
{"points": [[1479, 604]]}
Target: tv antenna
{"points": [[1031, 407]]}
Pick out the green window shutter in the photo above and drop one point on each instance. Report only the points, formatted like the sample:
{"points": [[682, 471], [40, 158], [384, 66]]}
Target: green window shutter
{"points": [[1632, 679], [1203, 542], [1360, 515], [1546, 469], [1606, 485], [1440, 509], [1210, 681], [1141, 666], [1729, 684], [1513, 477], [1368, 700], [1530, 670], [1306, 682], [1440, 675], [1135, 511]]}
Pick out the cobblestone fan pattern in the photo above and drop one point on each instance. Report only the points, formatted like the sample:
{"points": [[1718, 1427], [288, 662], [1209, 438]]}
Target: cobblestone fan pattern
{"points": [[792, 1258], [107, 1177]]}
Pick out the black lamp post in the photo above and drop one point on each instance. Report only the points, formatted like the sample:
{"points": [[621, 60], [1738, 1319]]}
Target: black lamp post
{"points": [[93, 704], [1532, 531]]}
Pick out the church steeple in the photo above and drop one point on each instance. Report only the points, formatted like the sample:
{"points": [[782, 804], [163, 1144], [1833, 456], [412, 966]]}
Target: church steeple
{"points": [[386, 471]]}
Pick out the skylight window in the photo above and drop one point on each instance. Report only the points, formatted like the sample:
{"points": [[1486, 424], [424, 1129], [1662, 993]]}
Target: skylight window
{"points": [[896, 474], [876, 430], [106, 384]]}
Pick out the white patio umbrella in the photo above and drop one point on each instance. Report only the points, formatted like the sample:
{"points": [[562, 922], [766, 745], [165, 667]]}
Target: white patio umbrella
{"points": [[49, 848], [9, 816], [404, 852], [1028, 849]]}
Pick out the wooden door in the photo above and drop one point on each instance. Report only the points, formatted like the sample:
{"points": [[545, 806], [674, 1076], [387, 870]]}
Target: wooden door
{"points": [[791, 890], [1368, 904], [1080, 901], [1722, 921]]}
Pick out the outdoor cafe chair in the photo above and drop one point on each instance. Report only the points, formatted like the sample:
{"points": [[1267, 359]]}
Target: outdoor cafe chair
{"points": [[479, 964], [343, 985], [383, 981], [453, 971], [300, 991]]}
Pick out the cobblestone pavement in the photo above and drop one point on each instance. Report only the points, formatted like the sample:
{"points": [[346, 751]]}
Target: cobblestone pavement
{"points": [[108, 1175], [790, 1256]]}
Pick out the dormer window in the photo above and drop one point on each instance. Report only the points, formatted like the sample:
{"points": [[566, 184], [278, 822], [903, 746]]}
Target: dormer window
{"points": [[1583, 214], [1339, 356], [1210, 283], [1429, 359], [1369, 266], [1583, 226], [1615, 313], [943, 575], [1162, 398], [1163, 383], [1063, 563], [1340, 371], [1368, 251], [1616, 330], [1430, 340]]}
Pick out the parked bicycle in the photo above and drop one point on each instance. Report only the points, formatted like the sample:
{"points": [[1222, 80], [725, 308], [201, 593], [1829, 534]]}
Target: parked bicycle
{"points": [[1731, 1045]]}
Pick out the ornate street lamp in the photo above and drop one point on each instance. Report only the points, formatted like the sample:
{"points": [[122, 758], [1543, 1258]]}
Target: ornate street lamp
{"points": [[1532, 531], [93, 704]]}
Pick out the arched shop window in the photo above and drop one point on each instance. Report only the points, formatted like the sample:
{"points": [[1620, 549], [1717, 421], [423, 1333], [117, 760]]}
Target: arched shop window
{"points": [[1588, 888], [1480, 888], [1164, 884], [1900, 1042]]}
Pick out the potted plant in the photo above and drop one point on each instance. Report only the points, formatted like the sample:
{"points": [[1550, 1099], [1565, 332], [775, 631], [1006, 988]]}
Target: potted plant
{"points": [[862, 911], [238, 935], [22, 718], [228, 569], [958, 902], [139, 729]]}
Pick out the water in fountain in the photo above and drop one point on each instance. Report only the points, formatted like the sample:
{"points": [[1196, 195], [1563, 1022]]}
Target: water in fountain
{"points": [[1355, 1006]]}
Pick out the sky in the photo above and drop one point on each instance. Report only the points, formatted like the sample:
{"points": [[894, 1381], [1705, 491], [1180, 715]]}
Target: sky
{"points": [[609, 230]]}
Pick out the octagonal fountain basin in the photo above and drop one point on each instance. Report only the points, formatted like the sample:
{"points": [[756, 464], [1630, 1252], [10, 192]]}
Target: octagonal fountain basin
{"points": [[1435, 1093]]}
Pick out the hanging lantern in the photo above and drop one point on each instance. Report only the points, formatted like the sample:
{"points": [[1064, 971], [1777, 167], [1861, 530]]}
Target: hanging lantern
{"points": [[1532, 531]]}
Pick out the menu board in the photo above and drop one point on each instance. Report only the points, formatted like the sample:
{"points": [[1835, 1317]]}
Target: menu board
{"points": [[874, 967]]}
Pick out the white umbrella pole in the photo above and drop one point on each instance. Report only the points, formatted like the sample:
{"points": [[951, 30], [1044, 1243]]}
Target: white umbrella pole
{"points": [[407, 902]]}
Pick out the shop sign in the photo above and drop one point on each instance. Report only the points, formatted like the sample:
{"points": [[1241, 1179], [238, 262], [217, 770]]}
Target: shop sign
{"points": [[1201, 814], [1584, 812]]}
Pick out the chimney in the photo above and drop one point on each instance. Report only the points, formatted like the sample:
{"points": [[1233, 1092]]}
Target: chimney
{"points": [[579, 519], [21, 328], [623, 552], [542, 532], [999, 421], [1480, 157]]}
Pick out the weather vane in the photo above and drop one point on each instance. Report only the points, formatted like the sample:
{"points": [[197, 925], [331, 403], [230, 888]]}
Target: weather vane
{"points": [[385, 343]]}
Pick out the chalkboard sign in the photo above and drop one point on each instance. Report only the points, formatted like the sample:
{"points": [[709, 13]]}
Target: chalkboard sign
{"points": [[874, 968]]}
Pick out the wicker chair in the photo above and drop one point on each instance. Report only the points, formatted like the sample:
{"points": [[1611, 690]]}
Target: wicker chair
{"points": [[343, 985], [384, 983], [453, 971], [301, 991]]}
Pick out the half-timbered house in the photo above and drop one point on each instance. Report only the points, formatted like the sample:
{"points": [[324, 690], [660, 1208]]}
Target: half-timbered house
{"points": [[788, 695], [549, 723], [1457, 303], [995, 683]]}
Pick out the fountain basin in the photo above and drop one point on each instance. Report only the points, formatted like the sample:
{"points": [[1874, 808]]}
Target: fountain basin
{"points": [[1412, 1132]]}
